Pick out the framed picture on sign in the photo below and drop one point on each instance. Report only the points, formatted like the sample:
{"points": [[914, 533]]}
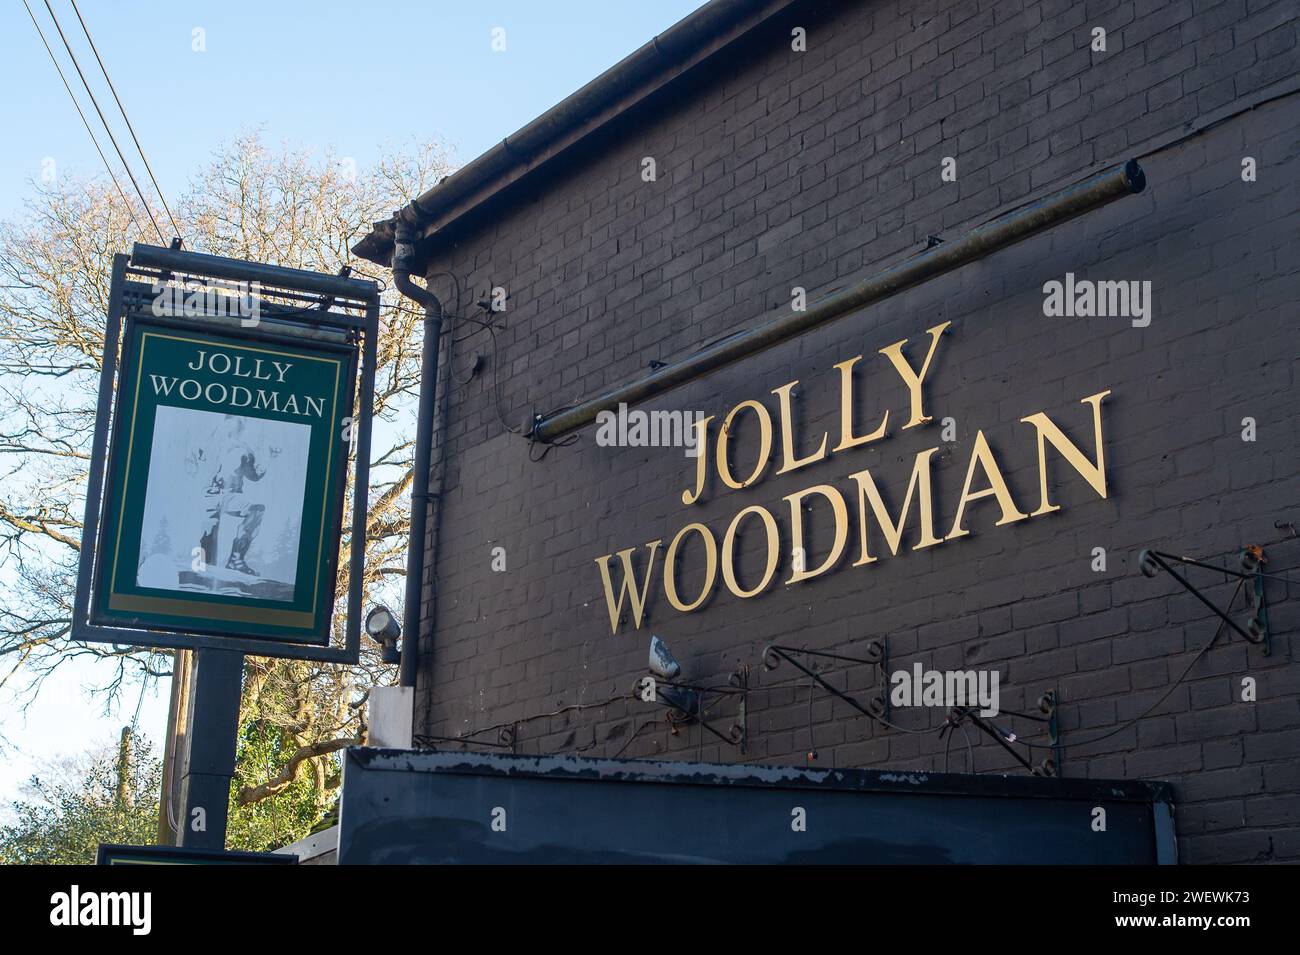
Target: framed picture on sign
{"points": [[226, 483]]}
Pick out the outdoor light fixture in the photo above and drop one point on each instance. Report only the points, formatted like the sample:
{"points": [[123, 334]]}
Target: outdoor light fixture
{"points": [[662, 662], [384, 630], [665, 666], [687, 702]]}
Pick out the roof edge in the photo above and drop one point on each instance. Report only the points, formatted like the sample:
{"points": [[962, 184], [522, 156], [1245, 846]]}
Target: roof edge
{"points": [[685, 45]]}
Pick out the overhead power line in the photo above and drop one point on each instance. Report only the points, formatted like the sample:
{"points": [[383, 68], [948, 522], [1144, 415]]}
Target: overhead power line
{"points": [[126, 119], [111, 138], [41, 33]]}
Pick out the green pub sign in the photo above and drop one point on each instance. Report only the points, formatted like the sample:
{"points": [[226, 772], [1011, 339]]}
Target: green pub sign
{"points": [[225, 483]]}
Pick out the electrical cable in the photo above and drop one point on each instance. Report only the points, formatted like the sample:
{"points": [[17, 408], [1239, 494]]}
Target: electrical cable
{"points": [[903, 729], [812, 745], [1147, 712], [496, 379], [491, 328], [970, 750], [496, 366], [473, 321], [635, 733], [454, 281], [469, 737], [547, 446], [104, 159], [111, 138], [122, 110], [135, 720]]}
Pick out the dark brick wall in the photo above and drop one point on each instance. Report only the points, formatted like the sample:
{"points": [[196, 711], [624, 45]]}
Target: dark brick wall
{"points": [[779, 169]]}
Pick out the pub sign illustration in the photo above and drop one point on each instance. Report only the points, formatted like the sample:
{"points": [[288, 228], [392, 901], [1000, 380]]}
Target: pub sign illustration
{"points": [[221, 501]]}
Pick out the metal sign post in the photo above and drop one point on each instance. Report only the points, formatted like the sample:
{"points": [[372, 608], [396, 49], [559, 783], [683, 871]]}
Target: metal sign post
{"points": [[234, 396], [212, 732]]}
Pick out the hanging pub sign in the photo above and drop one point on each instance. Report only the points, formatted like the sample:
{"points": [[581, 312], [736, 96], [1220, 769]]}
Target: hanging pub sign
{"points": [[217, 496], [225, 484]]}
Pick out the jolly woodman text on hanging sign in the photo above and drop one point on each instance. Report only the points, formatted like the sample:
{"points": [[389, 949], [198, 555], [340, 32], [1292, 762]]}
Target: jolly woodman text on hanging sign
{"points": [[875, 528]]}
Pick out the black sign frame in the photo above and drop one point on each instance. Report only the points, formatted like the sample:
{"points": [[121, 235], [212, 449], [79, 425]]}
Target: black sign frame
{"points": [[345, 313]]}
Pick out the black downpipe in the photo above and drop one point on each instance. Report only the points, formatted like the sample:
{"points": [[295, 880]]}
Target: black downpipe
{"points": [[403, 262]]}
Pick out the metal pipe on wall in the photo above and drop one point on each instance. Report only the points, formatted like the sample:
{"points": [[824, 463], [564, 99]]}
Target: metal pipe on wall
{"points": [[403, 263], [1074, 200]]}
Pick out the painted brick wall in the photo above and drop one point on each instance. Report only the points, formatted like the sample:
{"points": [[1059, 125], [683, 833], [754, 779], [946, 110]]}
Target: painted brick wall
{"points": [[780, 169]]}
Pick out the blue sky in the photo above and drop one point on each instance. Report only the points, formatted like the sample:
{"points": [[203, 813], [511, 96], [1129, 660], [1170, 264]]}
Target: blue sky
{"points": [[328, 74]]}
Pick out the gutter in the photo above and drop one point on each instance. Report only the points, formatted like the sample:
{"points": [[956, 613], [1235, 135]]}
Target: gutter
{"points": [[683, 46]]}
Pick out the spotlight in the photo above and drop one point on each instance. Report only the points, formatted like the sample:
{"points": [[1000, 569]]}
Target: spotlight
{"points": [[665, 666], [384, 630], [662, 662]]}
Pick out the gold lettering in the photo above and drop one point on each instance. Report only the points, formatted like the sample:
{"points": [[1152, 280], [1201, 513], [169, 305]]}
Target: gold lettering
{"points": [[918, 499], [983, 456], [701, 460], [847, 438], [765, 444], [910, 378], [634, 595], [710, 567], [796, 529], [1094, 474], [729, 545], [868, 493], [787, 433]]}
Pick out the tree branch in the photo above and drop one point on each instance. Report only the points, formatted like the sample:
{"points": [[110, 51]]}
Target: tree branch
{"points": [[285, 777]]}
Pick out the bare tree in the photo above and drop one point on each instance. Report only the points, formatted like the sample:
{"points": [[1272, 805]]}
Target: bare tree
{"points": [[280, 206]]}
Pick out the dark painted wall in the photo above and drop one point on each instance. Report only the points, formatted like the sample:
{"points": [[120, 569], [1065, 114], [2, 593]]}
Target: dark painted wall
{"points": [[782, 169]]}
